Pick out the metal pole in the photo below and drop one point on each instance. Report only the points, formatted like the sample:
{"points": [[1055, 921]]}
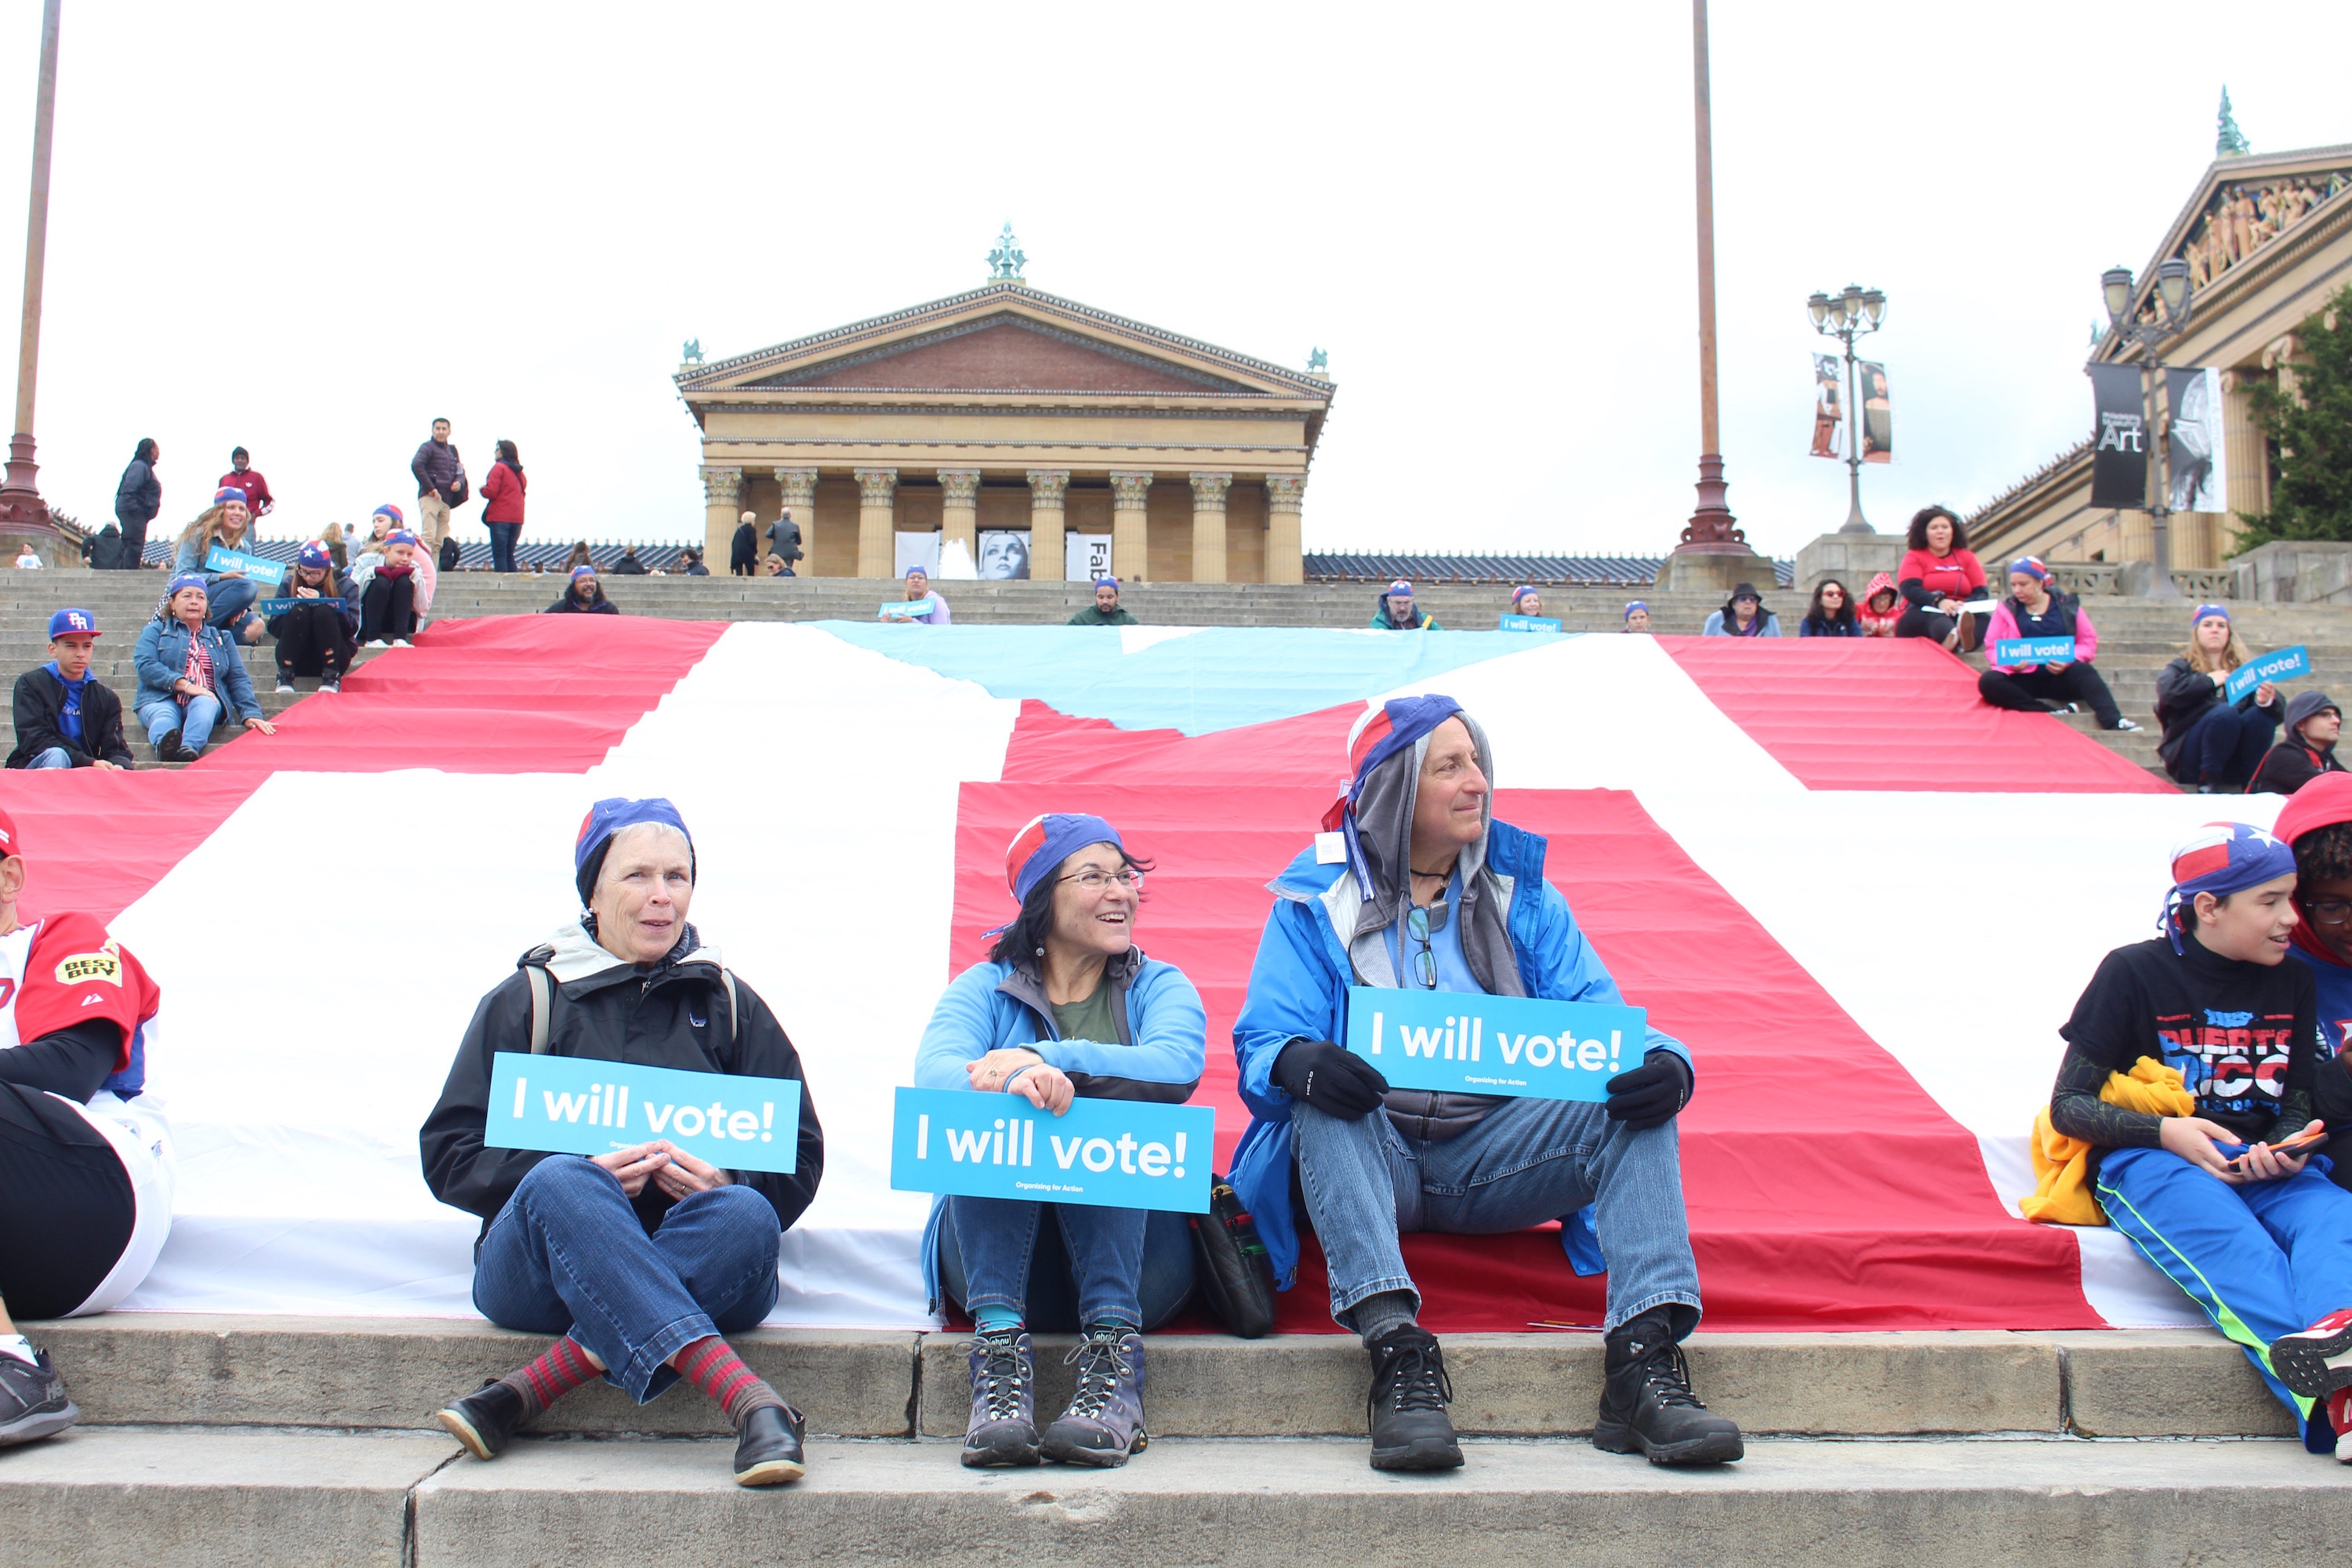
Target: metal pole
{"points": [[1854, 522], [1712, 525], [20, 499], [2160, 584]]}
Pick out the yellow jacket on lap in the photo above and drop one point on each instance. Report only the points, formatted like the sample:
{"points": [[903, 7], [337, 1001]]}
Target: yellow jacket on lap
{"points": [[2062, 1166]]}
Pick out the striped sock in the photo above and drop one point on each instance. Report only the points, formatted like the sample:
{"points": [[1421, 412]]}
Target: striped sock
{"points": [[561, 1368], [711, 1366]]}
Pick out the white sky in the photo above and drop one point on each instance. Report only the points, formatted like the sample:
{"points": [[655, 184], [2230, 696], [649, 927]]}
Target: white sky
{"points": [[309, 228]]}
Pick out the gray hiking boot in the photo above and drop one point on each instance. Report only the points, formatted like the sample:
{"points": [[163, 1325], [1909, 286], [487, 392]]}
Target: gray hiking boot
{"points": [[1003, 1429], [1103, 1423]]}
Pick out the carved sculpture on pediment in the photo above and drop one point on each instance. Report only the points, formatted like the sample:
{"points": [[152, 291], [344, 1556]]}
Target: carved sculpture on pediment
{"points": [[2243, 219]]}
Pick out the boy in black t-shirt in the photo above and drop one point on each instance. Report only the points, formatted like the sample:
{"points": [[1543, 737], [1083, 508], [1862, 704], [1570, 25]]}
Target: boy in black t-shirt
{"points": [[2259, 1238]]}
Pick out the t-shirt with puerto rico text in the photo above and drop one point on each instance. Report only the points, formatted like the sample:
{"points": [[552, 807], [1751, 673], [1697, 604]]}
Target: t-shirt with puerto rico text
{"points": [[2243, 1035]]}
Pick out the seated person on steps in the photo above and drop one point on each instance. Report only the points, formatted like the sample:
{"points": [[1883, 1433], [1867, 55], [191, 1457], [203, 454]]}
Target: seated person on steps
{"points": [[66, 717], [2033, 610], [388, 603], [1106, 611], [583, 596], [315, 637], [229, 594], [191, 677], [2307, 750], [2210, 740], [2317, 823]]}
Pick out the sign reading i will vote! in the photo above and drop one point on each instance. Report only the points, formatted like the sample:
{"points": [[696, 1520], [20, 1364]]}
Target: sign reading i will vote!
{"points": [[279, 606], [2281, 664], [1119, 1154], [258, 568], [1513, 1045], [1529, 624], [569, 1105], [2032, 650]]}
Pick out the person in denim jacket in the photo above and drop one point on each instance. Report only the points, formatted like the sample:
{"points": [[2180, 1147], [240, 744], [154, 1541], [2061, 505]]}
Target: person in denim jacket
{"points": [[190, 675]]}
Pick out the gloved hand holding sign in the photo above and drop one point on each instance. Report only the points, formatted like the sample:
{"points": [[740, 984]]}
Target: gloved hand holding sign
{"points": [[1334, 1081]]}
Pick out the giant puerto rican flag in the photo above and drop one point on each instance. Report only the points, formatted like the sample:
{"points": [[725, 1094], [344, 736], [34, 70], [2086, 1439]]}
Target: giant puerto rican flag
{"points": [[1866, 900]]}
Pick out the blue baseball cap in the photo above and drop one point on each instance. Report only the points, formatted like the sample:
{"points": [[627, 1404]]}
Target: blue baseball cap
{"points": [[1044, 842], [68, 623]]}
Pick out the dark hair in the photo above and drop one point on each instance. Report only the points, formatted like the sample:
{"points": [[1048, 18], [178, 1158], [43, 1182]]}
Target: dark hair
{"points": [[440, 419], [509, 456], [1819, 617], [2321, 855], [571, 589], [1022, 940], [146, 452], [1917, 539]]}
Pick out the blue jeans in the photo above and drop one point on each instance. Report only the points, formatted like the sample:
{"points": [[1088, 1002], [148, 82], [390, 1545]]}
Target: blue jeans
{"points": [[2261, 1260], [1528, 1161], [502, 544], [1095, 1264], [567, 1255], [227, 603], [2226, 744], [55, 757], [194, 722]]}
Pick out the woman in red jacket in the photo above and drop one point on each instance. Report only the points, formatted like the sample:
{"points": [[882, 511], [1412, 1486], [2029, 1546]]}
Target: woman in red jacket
{"points": [[502, 492], [1939, 574]]}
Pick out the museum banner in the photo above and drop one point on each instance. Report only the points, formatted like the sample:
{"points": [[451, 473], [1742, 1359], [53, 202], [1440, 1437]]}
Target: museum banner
{"points": [[2119, 460], [2194, 451], [1877, 414], [1829, 409]]}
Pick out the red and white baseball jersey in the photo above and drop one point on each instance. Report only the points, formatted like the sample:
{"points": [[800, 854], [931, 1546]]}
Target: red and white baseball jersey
{"points": [[65, 970]]}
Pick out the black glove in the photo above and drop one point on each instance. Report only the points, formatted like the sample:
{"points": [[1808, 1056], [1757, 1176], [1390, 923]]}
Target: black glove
{"points": [[1334, 1081], [1650, 1095]]}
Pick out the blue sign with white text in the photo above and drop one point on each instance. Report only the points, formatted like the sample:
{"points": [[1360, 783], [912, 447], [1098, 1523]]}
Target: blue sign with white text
{"points": [[279, 606], [1119, 1154], [1529, 624], [2282, 664], [571, 1105], [1518, 1047], [258, 568], [2013, 651]]}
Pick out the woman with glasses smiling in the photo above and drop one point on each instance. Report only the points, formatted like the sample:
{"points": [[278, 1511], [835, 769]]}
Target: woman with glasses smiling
{"points": [[1065, 1004], [2318, 823]]}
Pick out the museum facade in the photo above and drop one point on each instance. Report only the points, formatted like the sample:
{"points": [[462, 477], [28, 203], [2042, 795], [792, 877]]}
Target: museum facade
{"points": [[1044, 437]]}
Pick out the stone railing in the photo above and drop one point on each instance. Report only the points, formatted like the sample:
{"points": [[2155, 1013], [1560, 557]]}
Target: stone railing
{"points": [[2086, 578]]}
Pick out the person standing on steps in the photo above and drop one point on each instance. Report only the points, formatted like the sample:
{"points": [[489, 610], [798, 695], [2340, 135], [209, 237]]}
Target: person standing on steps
{"points": [[2210, 741], [641, 1259], [2033, 610], [242, 476], [743, 550], [137, 499], [1065, 1006], [2307, 750], [784, 542], [440, 484], [1424, 891], [502, 506]]}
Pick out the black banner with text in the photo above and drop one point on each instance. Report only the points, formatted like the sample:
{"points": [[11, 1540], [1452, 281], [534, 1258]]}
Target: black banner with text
{"points": [[2119, 460]]}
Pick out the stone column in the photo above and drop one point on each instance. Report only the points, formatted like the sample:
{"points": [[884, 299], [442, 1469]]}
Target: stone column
{"points": [[1048, 560], [959, 511], [1286, 560], [799, 487], [2245, 453], [1131, 552], [878, 555], [722, 488], [1209, 526]]}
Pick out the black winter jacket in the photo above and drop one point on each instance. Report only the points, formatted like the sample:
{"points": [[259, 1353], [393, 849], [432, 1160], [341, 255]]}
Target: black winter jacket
{"points": [[40, 704], [140, 496], [568, 606], [2182, 695], [673, 1014], [439, 470], [338, 585]]}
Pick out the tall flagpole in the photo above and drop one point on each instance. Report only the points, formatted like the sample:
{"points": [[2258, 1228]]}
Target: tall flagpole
{"points": [[1712, 530], [22, 510]]}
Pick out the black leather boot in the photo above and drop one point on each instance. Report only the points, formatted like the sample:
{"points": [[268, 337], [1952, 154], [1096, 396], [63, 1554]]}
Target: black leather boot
{"points": [[1407, 1406], [485, 1420], [1647, 1406]]}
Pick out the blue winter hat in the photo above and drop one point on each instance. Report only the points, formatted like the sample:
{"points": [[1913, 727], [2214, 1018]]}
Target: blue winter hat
{"points": [[1400, 589], [228, 493], [314, 556], [401, 536], [2222, 859], [1633, 605], [606, 818], [389, 510], [2031, 566], [584, 571], [2205, 610], [917, 571], [1521, 591], [1045, 842], [187, 580], [1108, 581], [69, 623]]}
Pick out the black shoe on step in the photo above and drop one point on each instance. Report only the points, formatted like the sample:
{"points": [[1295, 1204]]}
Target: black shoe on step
{"points": [[167, 748], [1647, 1406], [1407, 1404], [768, 1451], [33, 1401], [485, 1420]]}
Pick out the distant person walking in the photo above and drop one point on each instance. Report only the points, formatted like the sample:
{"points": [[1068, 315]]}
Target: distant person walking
{"points": [[440, 485], [242, 475], [784, 542], [502, 493], [743, 550], [137, 500]]}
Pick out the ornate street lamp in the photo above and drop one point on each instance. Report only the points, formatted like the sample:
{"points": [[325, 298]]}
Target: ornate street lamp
{"points": [[1855, 313], [2174, 303]]}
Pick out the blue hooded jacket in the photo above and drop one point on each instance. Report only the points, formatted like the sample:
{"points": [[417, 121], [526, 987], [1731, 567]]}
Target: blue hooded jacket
{"points": [[1298, 991]]}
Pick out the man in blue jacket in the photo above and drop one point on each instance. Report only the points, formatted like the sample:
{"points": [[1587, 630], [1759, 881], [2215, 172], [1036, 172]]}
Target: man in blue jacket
{"points": [[1417, 886]]}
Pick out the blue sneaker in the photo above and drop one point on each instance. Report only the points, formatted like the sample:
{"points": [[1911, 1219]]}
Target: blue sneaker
{"points": [[1004, 1427]]}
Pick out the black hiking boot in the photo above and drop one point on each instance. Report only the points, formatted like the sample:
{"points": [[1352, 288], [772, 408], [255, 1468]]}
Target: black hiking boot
{"points": [[1647, 1406], [1407, 1404]]}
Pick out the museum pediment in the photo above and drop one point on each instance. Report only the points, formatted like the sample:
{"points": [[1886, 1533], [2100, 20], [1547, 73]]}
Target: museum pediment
{"points": [[1001, 354]]}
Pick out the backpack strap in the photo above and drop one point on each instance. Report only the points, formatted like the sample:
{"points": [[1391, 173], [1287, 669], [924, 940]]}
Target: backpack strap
{"points": [[542, 989], [734, 1007]]}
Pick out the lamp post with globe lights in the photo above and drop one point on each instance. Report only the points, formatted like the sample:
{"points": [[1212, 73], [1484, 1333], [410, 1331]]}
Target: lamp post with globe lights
{"points": [[1852, 313], [2169, 310]]}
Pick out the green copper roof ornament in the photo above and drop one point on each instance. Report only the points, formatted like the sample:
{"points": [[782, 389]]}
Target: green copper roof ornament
{"points": [[1004, 262], [692, 353], [1317, 362], [2229, 140]]}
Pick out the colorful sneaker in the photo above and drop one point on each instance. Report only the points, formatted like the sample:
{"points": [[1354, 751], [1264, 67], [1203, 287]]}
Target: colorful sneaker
{"points": [[1003, 1426], [1103, 1423], [2318, 1361], [2339, 1415]]}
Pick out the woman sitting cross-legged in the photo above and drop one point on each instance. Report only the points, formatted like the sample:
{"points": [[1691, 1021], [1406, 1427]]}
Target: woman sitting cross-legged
{"points": [[1065, 1006], [639, 1259], [2032, 610], [190, 676], [1939, 574], [2210, 740], [315, 637]]}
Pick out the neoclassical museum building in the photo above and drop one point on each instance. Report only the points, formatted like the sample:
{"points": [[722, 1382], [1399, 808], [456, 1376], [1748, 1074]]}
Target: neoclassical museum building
{"points": [[2268, 241], [1045, 437]]}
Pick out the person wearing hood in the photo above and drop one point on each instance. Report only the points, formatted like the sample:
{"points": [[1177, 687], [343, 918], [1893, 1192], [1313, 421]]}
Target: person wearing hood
{"points": [[2033, 610], [1881, 610], [1413, 885], [2210, 741], [1743, 615], [2318, 823], [2307, 749], [1397, 612], [640, 1259], [583, 595], [2255, 1234], [1065, 1006]]}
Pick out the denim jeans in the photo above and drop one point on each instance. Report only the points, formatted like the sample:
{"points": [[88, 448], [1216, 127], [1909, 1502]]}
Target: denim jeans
{"points": [[194, 722], [1528, 1161], [2226, 743], [502, 544], [230, 599], [55, 757], [567, 1255], [1134, 1265]]}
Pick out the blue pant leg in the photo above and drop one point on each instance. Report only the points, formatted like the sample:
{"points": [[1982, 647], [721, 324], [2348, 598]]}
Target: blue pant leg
{"points": [[1362, 1186], [1165, 1285], [985, 1248], [196, 721], [1106, 1247], [2202, 1234], [2257, 728], [160, 719], [53, 757], [568, 1233], [2310, 1217], [723, 1245]]}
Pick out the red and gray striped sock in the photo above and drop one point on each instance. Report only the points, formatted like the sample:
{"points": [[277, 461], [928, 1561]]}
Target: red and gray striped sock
{"points": [[561, 1368], [711, 1366]]}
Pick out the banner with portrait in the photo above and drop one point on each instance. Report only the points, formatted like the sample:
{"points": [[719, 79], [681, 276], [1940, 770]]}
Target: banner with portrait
{"points": [[1004, 555], [1829, 405], [2119, 455], [2196, 477], [1877, 413]]}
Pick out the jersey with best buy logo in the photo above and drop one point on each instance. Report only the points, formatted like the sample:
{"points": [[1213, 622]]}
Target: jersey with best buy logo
{"points": [[65, 970]]}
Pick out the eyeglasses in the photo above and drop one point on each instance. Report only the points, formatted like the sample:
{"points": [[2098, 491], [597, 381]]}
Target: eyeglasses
{"points": [[1094, 881], [2329, 911], [1424, 963]]}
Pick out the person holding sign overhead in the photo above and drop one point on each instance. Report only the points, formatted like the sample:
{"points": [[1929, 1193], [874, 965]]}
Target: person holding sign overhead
{"points": [[231, 593], [642, 1257], [1414, 889], [2031, 611], [1065, 1006], [2212, 740]]}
